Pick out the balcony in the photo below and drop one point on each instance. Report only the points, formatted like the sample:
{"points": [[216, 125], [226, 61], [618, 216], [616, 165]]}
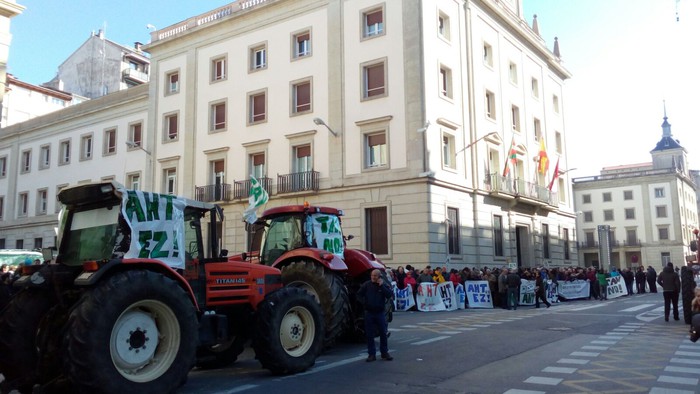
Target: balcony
{"points": [[297, 182], [212, 193], [134, 76], [519, 189], [587, 245], [241, 189]]}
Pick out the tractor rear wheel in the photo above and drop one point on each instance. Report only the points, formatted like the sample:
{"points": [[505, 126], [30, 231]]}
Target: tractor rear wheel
{"points": [[136, 332], [288, 331], [328, 289], [19, 325]]}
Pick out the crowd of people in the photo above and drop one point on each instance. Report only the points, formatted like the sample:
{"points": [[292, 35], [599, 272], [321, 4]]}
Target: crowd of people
{"points": [[9, 274]]}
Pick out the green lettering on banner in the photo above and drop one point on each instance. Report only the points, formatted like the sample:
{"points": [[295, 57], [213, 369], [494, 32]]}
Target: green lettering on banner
{"points": [[151, 206], [160, 237], [324, 223], [176, 247], [168, 206], [528, 298], [144, 241], [133, 205]]}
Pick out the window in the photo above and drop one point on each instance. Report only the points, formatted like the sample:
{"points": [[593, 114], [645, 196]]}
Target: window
{"points": [[170, 181], [659, 192], [628, 195], [26, 162], [86, 147], [537, 127], [661, 211], [629, 213], [607, 197], [515, 116], [38, 243], [448, 151], [590, 239], [373, 23], [545, 241], [44, 157], [373, 79], [445, 82], [217, 118], [19, 244], [490, 105], [498, 236], [588, 216], [133, 181], [170, 127], [444, 26], [608, 215], [172, 81], [258, 57], [23, 206], [567, 256], [453, 241], [256, 162], [42, 201], [58, 190], [135, 134], [558, 141], [535, 88], [218, 69], [663, 233], [375, 150], [555, 103], [632, 236], [3, 166], [2, 208], [302, 159], [110, 142], [301, 45], [377, 230], [488, 55], [513, 73], [257, 103], [665, 258], [301, 97], [586, 198]]}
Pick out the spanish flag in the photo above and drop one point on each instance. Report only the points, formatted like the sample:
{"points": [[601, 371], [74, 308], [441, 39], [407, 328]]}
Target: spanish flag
{"points": [[543, 160], [512, 157]]}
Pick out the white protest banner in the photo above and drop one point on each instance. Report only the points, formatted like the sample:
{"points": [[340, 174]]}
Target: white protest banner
{"points": [[461, 296], [436, 297], [616, 287], [576, 289], [478, 294], [527, 292], [327, 234], [552, 291], [157, 226], [403, 299]]}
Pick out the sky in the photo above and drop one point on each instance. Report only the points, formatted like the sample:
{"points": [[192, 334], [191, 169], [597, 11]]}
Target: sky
{"points": [[626, 57]]}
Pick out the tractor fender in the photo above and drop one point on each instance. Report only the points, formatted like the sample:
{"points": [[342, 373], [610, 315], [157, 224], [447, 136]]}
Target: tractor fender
{"points": [[323, 257], [360, 261], [90, 278]]}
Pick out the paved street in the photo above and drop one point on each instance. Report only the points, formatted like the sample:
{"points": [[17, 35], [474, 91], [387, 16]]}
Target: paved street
{"points": [[620, 345]]}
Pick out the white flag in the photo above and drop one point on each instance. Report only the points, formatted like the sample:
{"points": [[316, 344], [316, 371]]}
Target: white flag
{"points": [[258, 197]]}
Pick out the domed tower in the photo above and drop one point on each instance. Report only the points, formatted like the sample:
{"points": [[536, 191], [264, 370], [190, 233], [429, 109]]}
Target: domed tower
{"points": [[668, 152]]}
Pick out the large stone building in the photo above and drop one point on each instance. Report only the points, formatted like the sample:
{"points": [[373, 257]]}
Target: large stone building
{"points": [[8, 10], [647, 211], [405, 114], [24, 101]]}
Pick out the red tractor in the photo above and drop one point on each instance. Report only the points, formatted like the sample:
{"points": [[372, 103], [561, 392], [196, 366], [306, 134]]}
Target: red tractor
{"points": [[307, 244], [139, 294]]}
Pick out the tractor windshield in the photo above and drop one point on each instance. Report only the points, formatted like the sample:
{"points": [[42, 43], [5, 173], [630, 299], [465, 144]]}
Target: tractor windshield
{"points": [[283, 233], [91, 235]]}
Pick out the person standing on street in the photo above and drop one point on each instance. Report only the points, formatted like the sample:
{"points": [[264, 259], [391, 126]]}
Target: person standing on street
{"points": [[540, 290], [513, 283], [651, 279], [603, 283], [373, 295], [670, 282], [641, 279]]}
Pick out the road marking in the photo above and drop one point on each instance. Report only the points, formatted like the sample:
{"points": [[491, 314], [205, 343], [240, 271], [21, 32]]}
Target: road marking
{"points": [[395, 329], [572, 361], [604, 342], [584, 354], [241, 388], [691, 354], [595, 347], [543, 380], [559, 370], [685, 361], [583, 308], [481, 325], [688, 347], [466, 328], [658, 390], [427, 323], [624, 329], [682, 370], [677, 380], [431, 340], [636, 308], [450, 332], [516, 391], [409, 326]]}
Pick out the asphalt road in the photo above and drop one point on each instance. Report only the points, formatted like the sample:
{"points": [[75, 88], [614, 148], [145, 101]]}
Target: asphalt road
{"points": [[619, 345]]}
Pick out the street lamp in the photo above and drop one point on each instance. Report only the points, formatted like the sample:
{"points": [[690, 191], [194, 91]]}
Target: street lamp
{"points": [[320, 122], [491, 134], [132, 144]]}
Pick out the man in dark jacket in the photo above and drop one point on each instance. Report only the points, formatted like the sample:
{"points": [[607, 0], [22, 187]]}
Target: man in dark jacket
{"points": [[641, 279], [628, 276], [373, 295], [671, 283], [651, 279], [513, 294]]}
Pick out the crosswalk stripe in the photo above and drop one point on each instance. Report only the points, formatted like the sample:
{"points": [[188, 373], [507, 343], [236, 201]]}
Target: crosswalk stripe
{"points": [[636, 308]]}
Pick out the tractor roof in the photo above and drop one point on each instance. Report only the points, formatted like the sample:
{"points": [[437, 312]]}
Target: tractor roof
{"points": [[291, 209]]}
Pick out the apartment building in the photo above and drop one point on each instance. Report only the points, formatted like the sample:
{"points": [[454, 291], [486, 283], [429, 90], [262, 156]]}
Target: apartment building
{"points": [[423, 121], [24, 101], [647, 212]]}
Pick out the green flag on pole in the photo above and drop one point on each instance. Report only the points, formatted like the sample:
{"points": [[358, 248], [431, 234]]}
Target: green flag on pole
{"points": [[258, 197]]}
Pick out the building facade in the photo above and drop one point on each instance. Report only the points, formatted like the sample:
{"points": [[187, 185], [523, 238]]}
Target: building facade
{"points": [[24, 101], [650, 209], [8, 10], [423, 121]]}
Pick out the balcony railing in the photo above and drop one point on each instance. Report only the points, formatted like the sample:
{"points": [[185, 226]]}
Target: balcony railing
{"points": [[496, 183], [297, 182], [135, 75], [587, 244], [241, 189], [211, 193]]}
